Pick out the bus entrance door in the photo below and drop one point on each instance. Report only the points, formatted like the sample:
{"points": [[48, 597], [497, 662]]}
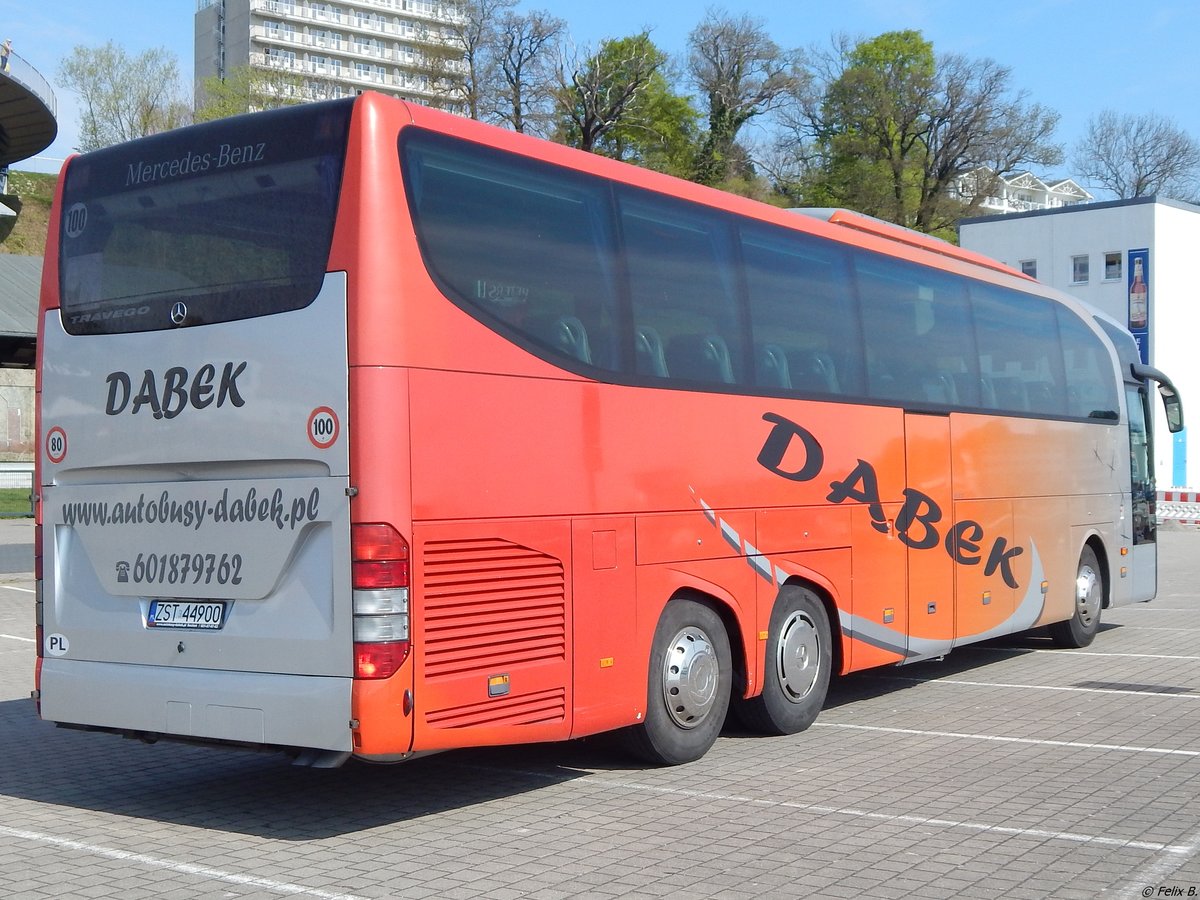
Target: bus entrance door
{"points": [[922, 524]]}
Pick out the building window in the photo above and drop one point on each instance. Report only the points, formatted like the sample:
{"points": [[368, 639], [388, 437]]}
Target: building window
{"points": [[1079, 269], [1112, 266], [1029, 267]]}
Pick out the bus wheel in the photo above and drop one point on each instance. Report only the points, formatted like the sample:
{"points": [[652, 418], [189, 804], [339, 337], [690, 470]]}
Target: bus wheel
{"points": [[691, 671], [1080, 629], [799, 663]]}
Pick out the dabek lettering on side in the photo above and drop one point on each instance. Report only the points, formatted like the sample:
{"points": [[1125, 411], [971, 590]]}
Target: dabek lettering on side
{"points": [[176, 394], [916, 523]]}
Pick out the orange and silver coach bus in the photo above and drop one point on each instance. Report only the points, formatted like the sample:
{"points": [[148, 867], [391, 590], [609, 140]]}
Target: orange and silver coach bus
{"points": [[365, 430]]}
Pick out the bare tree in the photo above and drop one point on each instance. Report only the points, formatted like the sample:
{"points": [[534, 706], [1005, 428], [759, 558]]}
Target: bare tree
{"points": [[1139, 155], [464, 61], [978, 122], [124, 97], [742, 74], [598, 90], [525, 62]]}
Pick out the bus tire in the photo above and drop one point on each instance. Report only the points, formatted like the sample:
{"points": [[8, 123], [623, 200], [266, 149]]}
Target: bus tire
{"points": [[798, 666], [1079, 630], [690, 676]]}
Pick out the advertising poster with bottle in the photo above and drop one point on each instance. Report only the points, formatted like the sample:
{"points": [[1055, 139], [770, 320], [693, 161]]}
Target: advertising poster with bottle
{"points": [[1139, 300]]}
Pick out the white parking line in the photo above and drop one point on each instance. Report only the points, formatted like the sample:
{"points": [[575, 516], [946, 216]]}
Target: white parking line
{"points": [[1155, 609], [1042, 833], [1039, 833], [1035, 687], [181, 868], [1080, 745], [1069, 653], [1121, 655], [1158, 870], [17, 637], [13, 587]]}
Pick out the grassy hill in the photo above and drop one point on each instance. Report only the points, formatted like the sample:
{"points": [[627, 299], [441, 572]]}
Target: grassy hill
{"points": [[35, 193]]}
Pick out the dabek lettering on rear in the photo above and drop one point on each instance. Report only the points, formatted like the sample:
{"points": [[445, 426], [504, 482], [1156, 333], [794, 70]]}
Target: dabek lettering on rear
{"points": [[917, 521], [179, 390]]}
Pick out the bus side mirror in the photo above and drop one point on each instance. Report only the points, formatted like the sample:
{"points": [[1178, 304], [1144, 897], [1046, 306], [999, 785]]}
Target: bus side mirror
{"points": [[1174, 412], [1170, 394]]}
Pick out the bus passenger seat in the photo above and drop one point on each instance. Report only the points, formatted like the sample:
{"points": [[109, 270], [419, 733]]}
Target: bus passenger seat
{"points": [[1043, 398], [810, 371], [1010, 394], [771, 367], [702, 357], [940, 388], [987, 393], [567, 335], [649, 358]]}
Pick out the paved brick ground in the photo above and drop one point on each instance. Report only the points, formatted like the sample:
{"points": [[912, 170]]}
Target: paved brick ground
{"points": [[1011, 770]]}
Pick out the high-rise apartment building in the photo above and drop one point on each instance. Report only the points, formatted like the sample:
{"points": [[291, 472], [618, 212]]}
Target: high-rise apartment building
{"points": [[330, 49]]}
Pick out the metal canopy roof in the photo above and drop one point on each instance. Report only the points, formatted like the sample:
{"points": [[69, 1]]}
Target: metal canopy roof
{"points": [[20, 284]]}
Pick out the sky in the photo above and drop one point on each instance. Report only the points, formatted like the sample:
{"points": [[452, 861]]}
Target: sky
{"points": [[1077, 57]]}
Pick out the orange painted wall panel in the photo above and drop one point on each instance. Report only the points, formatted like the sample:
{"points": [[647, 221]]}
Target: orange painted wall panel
{"points": [[609, 676]]}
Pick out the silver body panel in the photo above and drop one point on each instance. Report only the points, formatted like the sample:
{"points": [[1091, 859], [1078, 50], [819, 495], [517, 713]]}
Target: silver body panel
{"points": [[188, 467]]}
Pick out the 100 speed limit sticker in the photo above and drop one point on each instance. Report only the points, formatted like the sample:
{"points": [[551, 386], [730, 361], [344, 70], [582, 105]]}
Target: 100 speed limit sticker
{"points": [[323, 427]]}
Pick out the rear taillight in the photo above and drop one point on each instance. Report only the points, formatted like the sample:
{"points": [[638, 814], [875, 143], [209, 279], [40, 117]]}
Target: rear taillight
{"points": [[379, 565]]}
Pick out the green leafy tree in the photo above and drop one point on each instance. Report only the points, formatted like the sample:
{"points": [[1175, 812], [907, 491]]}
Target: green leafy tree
{"points": [[620, 103], [123, 97], [245, 89], [874, 121], [893, 130], [660, 132]]}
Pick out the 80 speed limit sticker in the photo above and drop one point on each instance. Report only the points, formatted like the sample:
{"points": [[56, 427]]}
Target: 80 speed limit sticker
{"points": [[56, 445]]}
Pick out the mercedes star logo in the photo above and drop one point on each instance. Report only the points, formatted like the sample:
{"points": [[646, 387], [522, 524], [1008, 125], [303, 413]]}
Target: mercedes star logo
{"points": [[179, 313]]}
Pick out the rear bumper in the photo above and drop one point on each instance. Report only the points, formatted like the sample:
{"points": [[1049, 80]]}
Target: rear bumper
{"points": [[204, 705]]}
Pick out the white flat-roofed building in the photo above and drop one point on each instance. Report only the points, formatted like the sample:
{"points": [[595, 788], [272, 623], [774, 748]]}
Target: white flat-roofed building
{"points": [[338, 49], [1135, 260]]}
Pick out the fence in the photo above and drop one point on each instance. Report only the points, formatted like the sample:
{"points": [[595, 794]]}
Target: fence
{"points": [[16, 489], [1180, 507], [20, 71]]}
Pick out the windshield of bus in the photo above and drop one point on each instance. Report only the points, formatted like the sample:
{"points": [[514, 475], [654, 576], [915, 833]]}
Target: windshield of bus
{"points": [[221, 221]]}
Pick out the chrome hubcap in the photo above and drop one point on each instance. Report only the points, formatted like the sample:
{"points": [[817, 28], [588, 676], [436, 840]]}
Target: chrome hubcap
{"points": [[691, 674], [798, 662], [1088, 595]]}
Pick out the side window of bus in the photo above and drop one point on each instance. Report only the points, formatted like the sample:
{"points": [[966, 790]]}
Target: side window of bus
{"points": [[682, 284], [918, 335], [1020, 357], [803, 313], [1091, 390], [525, 245]]}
